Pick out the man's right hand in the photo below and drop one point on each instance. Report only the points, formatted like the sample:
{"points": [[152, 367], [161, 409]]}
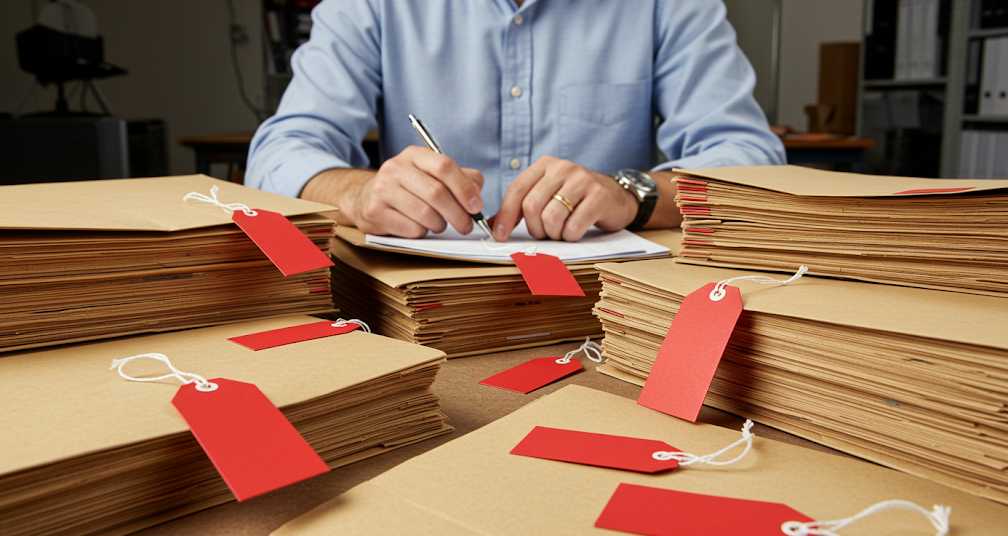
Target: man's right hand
{"points": [[412, 193]]}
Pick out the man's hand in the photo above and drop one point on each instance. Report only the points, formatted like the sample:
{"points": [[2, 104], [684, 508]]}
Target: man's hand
{"points": [[594, 198], [414, 192]]}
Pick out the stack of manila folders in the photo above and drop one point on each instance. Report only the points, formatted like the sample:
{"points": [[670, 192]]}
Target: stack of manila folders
{"points": [[944, 234], [96, 259], [87, 452], [910, 378], [460, 295], [478, 484]]}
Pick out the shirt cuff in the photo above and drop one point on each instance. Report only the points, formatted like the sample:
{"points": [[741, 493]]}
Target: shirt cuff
{"points": [[728, 155], [290, 177], [696, 162]]}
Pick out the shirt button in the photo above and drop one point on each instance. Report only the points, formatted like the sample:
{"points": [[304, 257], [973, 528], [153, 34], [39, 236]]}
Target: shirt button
{"points": [[518, 20], [515, 163], [516, 91]]}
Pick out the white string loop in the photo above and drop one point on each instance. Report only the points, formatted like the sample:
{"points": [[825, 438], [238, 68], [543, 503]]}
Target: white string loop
{"points": [[718, 292], [938, 516], [685, 458], [591, 350], [341, 323], [202, 384], [213, 200]]}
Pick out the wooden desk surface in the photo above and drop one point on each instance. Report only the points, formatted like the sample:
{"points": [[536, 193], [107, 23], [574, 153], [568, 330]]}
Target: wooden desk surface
{"points": [[790, 142], [468, 405], [236, 138], [852, 143], [227, 138]]}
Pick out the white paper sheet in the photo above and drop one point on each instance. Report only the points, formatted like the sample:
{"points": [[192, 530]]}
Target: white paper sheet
{"points": [[595, 246]]}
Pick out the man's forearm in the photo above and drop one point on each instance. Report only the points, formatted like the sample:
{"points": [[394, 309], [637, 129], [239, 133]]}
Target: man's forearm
{"points": [[338, 187], [665, 215]]}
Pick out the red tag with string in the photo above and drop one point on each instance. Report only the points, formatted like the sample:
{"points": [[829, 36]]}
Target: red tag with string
{"points": [[689, 355], [253, 446], [282, 242], [532, 375], [599, 450], [546, 275], [655, 511], [293, 334]]}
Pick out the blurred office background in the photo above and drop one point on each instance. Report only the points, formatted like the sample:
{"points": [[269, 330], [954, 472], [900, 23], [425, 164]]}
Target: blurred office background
{"points": [[835, 77]]}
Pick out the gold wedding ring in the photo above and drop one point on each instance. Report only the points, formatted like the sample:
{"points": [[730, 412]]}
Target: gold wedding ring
{"points": [[563, 200]]}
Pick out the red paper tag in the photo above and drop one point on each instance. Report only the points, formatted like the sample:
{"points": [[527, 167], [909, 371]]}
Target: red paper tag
{"points": [[292, 334], [690, 353], [289, 249], [600, 450], [533, 374], [545, 275], [920, 191], [647, 510], [253, 446]]}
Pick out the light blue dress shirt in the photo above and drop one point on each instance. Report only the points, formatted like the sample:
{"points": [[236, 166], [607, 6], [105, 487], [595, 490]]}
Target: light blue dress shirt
{"points": [[500, 86]]}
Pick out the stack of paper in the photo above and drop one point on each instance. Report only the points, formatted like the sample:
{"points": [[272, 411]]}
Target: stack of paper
{"points": [[85, 451], [910, 378], [595, 246], [458, 308], [87, 260], [474, 486], [935, 233], [463, 308]]}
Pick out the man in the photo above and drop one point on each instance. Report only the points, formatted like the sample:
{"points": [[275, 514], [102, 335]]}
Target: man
{"points": [[536, 104]]}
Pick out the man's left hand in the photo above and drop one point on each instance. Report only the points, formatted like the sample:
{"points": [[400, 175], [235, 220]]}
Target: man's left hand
{"points": [[583, 198]]}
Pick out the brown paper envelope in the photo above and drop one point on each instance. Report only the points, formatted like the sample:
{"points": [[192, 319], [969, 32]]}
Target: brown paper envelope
{"points": [[669, 238], [799, 180], [67, 402], [151, 204], [965, 318], [472, 485]]}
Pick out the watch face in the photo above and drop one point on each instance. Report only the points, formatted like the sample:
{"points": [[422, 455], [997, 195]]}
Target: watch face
{"points": [[642, 184]]}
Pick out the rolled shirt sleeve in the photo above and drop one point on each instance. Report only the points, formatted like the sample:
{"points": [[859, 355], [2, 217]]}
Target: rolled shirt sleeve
{"points": [[703, 91], [329, 106]]}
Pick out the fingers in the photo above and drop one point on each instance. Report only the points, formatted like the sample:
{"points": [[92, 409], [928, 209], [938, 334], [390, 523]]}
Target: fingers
{"points": [[414, 208], [463, 188], [511, 207], [537, 200], [431, 192], [377, 217], [585, 214], [474, 175], [555, 215]]}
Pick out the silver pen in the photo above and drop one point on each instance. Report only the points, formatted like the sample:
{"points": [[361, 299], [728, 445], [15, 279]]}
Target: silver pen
{"points": [[429, 140]]}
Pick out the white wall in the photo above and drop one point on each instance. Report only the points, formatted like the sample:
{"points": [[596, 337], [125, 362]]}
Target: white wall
{"points": [[178, 60], [804, 25]]}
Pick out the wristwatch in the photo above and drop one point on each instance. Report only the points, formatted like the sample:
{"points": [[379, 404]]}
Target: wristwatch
{"points": [[644, 189]]}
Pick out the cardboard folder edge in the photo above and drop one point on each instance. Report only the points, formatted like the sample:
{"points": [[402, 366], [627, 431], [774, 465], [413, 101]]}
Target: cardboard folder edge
{"points": [[146, 204], [802, 181]]}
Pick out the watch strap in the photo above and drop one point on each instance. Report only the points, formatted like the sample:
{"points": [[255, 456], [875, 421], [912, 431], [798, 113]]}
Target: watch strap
{"points": [[644, 210]]}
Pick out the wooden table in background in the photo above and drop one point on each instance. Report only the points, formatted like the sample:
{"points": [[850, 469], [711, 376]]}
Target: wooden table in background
{"points": [[231, 149], [468, 405], [840, 154]]}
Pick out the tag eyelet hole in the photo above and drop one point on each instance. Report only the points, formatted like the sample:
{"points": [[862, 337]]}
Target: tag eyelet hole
{"points": [[716, 295], [208, 387]]}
